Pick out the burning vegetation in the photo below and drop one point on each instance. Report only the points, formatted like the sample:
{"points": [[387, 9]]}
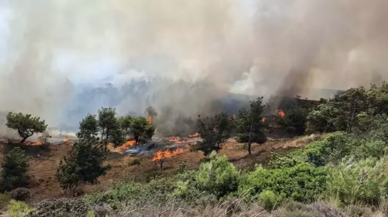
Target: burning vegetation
{"points": [[160, 156]]}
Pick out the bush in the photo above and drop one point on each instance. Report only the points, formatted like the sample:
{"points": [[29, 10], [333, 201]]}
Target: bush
{"points": [[218, 176], [354, 181], [269, 200], [295, 120], [14, 173], [61, 208], [21, 194], [332, 149], [84, 165], [117, 194], [134, 161], [18, 209], [4, 200], [300, 183], [376, 149]]}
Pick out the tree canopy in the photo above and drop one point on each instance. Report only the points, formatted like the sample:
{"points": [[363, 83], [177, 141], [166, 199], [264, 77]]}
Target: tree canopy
{"points": [[84, 165], [214, 131], [25, 124], [249, 124], [141, 129]]}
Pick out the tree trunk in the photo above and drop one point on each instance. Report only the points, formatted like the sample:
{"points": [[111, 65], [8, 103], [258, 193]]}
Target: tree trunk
{"points": [[23, 140], [250, 140]]}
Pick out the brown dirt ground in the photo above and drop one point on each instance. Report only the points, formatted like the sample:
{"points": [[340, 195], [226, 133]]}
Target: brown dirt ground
{"points": [[43, 167]]}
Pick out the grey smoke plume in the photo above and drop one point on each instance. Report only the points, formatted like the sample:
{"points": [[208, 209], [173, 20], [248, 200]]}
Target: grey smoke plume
{"points": [[57, 54]]}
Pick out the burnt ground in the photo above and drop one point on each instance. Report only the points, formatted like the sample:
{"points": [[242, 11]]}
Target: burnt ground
{"points": [[43, 164]]}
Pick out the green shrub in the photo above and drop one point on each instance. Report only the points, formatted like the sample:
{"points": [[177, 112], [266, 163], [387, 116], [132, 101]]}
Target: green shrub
{"points": [[15, 165], [354, 181], [18, 209], [367, 149], [300, 183], [332, 149], [218, 176], [118, 193], [269, 200]]}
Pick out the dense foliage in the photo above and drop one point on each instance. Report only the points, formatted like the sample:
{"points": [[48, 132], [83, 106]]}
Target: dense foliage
{"points": [[140, 129], [214, 131], [14, 169], [84, 165], [249, 124], [25, 124]]}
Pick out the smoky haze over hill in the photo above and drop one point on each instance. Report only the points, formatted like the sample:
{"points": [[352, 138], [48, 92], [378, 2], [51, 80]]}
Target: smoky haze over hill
{"points": [[63, 59]]}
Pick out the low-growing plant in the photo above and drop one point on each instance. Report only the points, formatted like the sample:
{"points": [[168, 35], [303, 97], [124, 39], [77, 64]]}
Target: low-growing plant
{"points": [[64, 207], [269, 200], [134, 161], [355, 181], [218, 176], [301, 182], [18, 209]]}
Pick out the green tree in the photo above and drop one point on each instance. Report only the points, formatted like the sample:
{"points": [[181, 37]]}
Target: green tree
{"points": [[321, 118], [214, 131], [125, 125], [295, 120], [107, 122], [25, 124], [250, 125], [15, 165], [84, 165], [88, 127], [141, 129]]}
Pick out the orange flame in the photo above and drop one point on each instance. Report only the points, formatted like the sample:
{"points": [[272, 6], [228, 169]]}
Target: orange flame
{"points": [[65, 140], [160, 155], [28, 143], [128, 144], [194, 135], [149, 120], [178, 140], [263, 119], [281, 113]]}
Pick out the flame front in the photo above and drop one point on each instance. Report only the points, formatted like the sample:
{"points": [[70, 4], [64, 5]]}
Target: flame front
{"points": [[65, 140], [263, 119], [194, 135], [160, 155], [128, 144], [38, 143], [149, 120], [281, 113]]}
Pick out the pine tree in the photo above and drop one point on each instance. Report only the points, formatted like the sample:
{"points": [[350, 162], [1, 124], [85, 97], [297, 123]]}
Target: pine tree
{"points": [[15, 165], [84, 165]]}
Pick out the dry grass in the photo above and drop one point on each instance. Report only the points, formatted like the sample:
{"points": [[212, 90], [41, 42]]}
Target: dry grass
{"points": [[43, 167]]}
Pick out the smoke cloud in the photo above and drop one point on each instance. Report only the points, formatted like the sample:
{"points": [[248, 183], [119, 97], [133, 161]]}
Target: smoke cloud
{"points": [[62, 59]]}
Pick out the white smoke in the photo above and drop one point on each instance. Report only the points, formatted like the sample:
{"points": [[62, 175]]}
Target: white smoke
{"points": [[52, 50]]}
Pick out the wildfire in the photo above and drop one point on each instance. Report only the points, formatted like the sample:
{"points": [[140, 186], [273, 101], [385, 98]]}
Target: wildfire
{"points": [[28, 143], [178, 140], [263, 119], [194, 135], [161, 155], [281, 113], [65, 140], [149, 120], [128, 144]]}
